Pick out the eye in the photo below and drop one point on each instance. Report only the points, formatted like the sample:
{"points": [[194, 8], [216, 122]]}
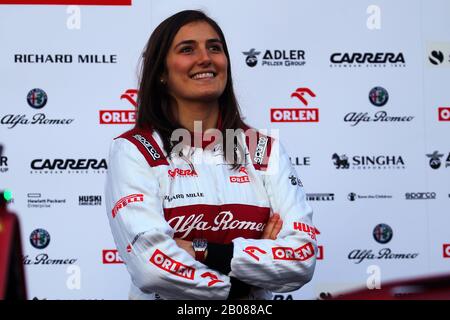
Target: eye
{"points": [[215, 48], [187, 49]]}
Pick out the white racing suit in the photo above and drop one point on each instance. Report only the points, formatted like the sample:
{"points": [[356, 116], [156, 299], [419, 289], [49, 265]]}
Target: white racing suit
{"points": [[151, 199]]}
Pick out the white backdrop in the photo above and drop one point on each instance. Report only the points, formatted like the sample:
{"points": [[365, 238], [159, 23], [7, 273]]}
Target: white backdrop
{"points": [[415, 32]]}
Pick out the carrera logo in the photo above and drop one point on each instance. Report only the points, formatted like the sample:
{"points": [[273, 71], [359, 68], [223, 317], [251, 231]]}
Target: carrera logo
{"points": [[214, 279], [446, 250], [125, 201], [71, 164], [148, 146], [303, 227], [174, 267], [302, 253], [182, 173], [444, 114], [121, 116], [242, 179], [111, 257], [296, 114], [252, 250]]}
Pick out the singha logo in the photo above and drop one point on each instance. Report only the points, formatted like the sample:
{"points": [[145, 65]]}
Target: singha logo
{"points": [[340, 162]]}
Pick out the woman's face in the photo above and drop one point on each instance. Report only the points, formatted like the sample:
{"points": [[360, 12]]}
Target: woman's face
{"points": [[196, 64]]}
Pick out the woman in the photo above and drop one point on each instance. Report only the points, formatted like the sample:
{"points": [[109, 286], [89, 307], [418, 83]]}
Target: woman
{"points": [[197, 220]]}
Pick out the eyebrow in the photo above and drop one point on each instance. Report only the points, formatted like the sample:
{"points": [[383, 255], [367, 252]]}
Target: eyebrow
{"points": [[214, 40]]}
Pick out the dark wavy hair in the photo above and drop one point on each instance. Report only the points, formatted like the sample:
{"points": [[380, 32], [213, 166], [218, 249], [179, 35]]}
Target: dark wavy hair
{"points": [[153, 98]]}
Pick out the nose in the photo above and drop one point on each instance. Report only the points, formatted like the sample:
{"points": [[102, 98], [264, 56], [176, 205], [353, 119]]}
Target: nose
{"points": [[204, 58]]}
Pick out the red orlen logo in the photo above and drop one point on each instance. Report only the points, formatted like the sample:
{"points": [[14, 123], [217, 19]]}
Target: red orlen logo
{"points": [[174, 267], [111, 256], [319, 253], [70, 2], [251, 250], [296, 114], [300, 254], [121, 116], [303, 227], [444, 113], [446, 250], [240, 179], [182, 173], [125, 201], [212, 276]]}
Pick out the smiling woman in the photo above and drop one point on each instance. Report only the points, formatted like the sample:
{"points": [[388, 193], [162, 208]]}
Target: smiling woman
{"points": [[196, 223]]}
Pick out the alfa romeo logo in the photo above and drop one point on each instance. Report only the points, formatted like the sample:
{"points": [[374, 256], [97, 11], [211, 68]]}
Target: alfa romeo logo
{"points": [[40, 238], [378, 96], [382, 233], [37, 98]]}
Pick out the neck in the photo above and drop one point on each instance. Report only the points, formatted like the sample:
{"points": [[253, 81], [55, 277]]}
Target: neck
{"points": [[187, 112]]}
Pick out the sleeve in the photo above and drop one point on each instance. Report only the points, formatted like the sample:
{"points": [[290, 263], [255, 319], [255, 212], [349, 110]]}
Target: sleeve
{"points": [[143, 237], [286, 263]]}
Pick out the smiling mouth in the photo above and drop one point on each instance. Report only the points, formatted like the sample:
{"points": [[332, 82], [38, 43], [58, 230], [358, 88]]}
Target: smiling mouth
{"points": [[203, 75]]}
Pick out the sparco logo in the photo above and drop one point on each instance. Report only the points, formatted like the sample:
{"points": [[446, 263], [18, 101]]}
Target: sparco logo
{"points": [[40, 238], [383, 162], [378, 96], [172, 266], [275, 58], [121, 116], [37, 99], [148, 146], [435, 160], [444, 114], [223, 221], [420, 195], [297, 114], [367, 59], [382, 233], [260, 150], [68, 165]]}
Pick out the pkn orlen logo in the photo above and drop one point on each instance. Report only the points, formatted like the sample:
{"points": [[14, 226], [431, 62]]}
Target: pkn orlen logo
{"points": [[40, 238], [275, 58], [435, 160], [297, 114], [121, 116]]}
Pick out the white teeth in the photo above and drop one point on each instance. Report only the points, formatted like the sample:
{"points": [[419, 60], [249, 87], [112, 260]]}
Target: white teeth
{"points": [[203, 75]]}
